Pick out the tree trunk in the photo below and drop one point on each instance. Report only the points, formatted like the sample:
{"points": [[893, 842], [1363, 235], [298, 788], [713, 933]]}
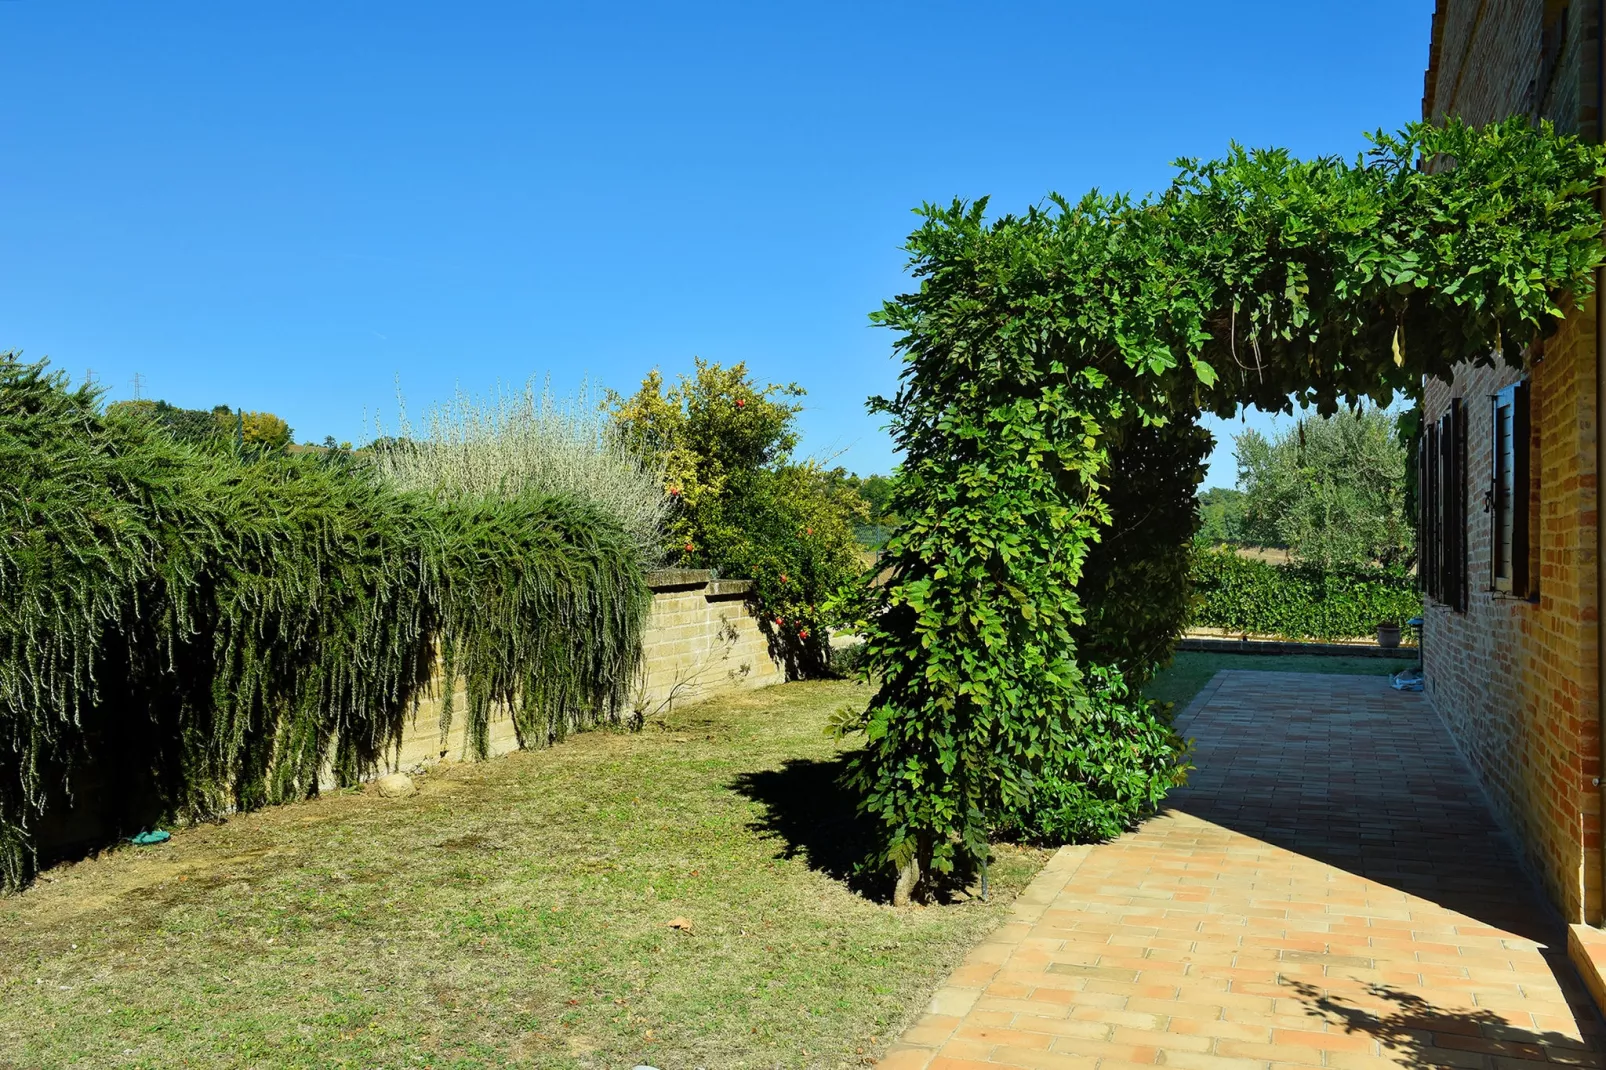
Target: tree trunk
{"points": [[908, 877]]}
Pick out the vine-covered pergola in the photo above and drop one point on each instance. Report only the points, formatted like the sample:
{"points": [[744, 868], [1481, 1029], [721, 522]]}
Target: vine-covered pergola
{"points": [[1056, 365]]}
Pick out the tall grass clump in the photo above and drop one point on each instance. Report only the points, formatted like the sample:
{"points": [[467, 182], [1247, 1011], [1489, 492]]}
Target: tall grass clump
{"points": [[512, 444], [187, 629]]}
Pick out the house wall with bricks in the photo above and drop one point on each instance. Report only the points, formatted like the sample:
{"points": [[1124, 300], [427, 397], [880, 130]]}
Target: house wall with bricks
{"points": [[1516, 678]]}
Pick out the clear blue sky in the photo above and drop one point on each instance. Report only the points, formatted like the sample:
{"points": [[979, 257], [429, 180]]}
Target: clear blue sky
{"points": [[288, 206]]}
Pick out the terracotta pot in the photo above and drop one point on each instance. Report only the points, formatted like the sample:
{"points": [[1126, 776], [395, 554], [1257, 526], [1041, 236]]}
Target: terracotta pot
{"points": [[1388, 636]]}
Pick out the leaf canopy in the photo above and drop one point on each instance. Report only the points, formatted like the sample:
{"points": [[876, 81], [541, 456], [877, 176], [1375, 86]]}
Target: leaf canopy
{"points": [[1055, 364]]}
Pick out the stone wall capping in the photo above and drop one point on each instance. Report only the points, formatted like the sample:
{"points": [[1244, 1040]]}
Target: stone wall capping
{"points": [[720, 589], [1586, 947], [669, 579]]}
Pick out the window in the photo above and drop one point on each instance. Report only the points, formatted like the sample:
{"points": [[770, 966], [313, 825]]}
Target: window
{"points": [[1442, 493], [1510, 490]]}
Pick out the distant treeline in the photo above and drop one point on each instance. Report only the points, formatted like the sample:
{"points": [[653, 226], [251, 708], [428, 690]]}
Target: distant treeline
{"points": [[1331, 490], [217, 424]]}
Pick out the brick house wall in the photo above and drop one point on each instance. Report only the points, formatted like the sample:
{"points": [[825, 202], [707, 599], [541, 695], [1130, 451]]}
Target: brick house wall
{"points": [[1516, 679]]}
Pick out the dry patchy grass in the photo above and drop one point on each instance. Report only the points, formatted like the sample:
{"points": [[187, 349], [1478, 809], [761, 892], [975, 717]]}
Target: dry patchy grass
{"points": [[513, 913]]}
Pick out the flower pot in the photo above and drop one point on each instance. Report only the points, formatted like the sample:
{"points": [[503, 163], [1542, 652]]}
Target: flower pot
{"points": [[1388, 636]]}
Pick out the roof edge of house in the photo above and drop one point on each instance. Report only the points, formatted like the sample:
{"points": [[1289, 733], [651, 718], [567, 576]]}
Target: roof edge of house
{"points": [[1430, 77]]}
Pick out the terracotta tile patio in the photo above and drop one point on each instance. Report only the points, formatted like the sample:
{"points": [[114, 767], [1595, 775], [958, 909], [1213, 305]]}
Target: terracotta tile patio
{"points": [[1329, 890]]}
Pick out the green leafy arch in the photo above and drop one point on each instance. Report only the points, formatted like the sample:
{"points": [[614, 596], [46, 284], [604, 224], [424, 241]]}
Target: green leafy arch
{"points": [[1055, 366]]}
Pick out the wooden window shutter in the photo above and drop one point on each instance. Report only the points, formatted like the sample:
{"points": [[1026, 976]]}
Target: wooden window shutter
{"points": [[1457, 495], [1450, 517], [1445, 517], [1522, 433], [1458, 499], [1424, 512], [1500, 499], [1432, 512], [1510, 494]]}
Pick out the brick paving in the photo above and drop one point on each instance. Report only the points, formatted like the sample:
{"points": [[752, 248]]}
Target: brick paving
{"points": [[1328, 890]]}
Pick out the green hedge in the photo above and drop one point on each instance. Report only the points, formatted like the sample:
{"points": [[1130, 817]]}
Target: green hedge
{"points": [[219, 623], [1241, 594]]}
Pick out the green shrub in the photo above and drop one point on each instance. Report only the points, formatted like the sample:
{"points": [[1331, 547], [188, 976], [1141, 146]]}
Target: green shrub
{"points": [[1112, 773], [1242, 594], [224, 622], [542, 602], [847, 661], [1134, 584], [746, 508]]}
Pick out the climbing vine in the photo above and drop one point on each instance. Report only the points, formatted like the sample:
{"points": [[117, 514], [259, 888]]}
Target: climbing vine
{"points": [[1055, 364]]}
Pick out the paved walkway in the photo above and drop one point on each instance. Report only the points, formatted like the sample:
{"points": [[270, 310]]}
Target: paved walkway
{"points": [[1327, 891]]}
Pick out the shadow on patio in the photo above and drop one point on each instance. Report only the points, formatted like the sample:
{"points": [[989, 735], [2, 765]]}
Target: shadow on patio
{"points": [[1329, 890], [1347, 771], [1412, 1031]]}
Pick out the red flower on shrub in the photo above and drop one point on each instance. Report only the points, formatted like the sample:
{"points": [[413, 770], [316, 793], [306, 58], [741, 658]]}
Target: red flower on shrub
{"points": [[741, 403], [674, 492], [804, 634], [783, 578], [689, 547]]}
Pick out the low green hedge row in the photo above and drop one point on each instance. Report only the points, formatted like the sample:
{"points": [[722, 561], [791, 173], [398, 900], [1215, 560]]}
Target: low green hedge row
{"points": [[1241, 594]]}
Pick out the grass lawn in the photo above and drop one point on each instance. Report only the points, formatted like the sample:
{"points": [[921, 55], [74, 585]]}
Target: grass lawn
{"points": [[1190, 670], [514, 912]]}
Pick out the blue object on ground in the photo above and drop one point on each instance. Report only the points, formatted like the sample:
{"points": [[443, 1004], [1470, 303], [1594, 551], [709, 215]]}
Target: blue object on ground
{"points": [[145, 839], [1407, 680]]}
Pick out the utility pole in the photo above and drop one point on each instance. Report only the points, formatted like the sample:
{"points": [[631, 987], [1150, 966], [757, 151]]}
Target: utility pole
{"points": [[139, 381]]}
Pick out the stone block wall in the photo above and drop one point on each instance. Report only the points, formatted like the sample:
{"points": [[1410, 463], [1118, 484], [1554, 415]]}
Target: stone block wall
{"points": [[1515, 679], [702, 638]]}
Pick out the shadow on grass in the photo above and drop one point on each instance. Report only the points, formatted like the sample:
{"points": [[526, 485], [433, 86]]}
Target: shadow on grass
{"points": [[1415, 1032], [815, 818]]}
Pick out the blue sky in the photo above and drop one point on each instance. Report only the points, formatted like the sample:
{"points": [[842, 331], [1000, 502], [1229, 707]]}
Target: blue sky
{"points": [[294, 206]]}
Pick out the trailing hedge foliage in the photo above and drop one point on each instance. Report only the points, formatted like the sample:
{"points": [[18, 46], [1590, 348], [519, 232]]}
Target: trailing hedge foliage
{"points": [[224, 621], [1241, 594]]}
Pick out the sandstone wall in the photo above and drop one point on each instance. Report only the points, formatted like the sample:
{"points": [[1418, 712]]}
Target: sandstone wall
{"points": [[702, 638]]}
